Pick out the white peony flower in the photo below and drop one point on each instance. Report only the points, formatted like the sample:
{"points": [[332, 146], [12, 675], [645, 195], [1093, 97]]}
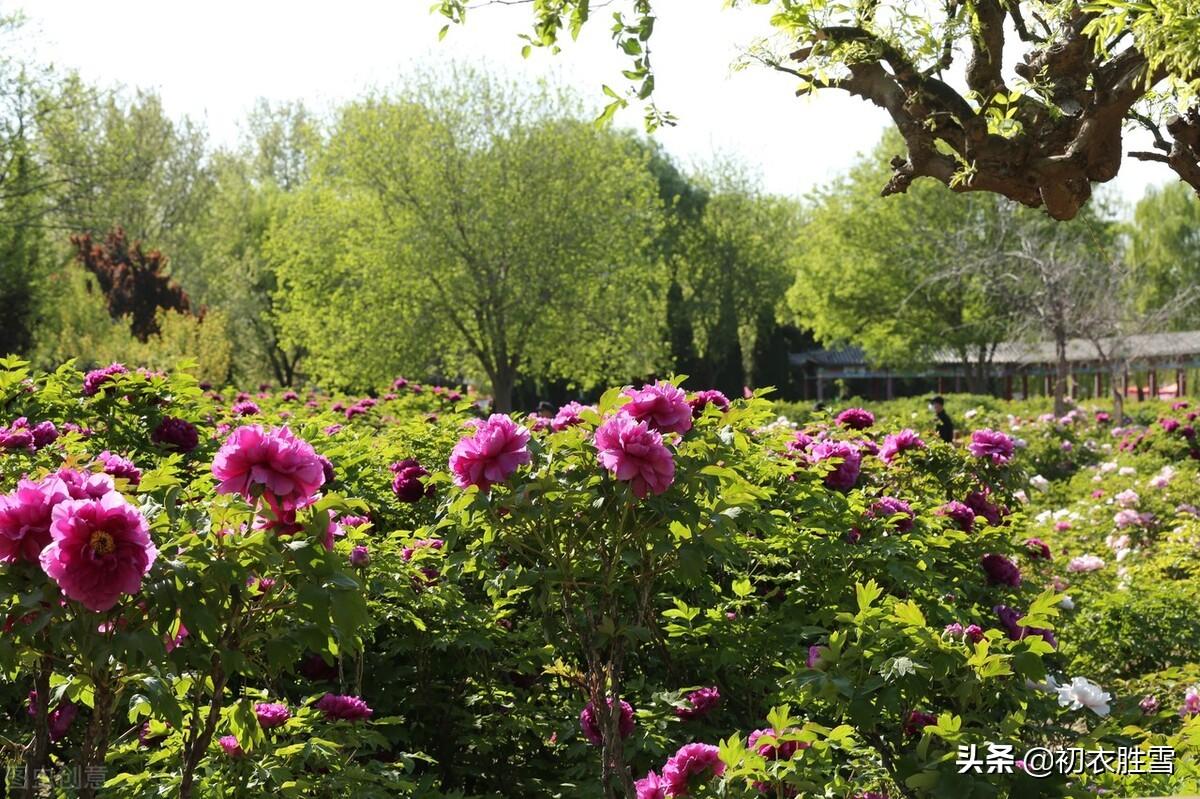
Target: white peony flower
{"points": [[1082, 692], [1127, 471], [1039, 482], [1066, 603]]}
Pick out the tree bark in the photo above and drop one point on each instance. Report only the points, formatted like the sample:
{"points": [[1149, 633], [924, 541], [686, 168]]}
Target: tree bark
{"points": [[1061, 372], [502, 391]]}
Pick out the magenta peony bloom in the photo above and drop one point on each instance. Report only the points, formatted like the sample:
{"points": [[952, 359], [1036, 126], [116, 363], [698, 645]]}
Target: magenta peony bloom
{"points": [[18, 435], [693, 763], [973, 633], [663, 406], [271, 714], [982, 506], [651, 787], [954, 630], [44, 434], [702, 399], [60, 719], [635, 453], [1037, 548], [86, 485], [230, 746], [800, 443], [100, 549], [360, 557], [25, 518], [781, 750], [993, 445], [176, 434], [1102, 417], [1000, 570], [245, 408], [1168, 424], [960, 513], [1008, 620], [1149, 705], [591, 725], [887, 508], [117, 466], [702, 702], [814, 656], [93, 381], [1191, 702], [845, 474], [490, 454], [916, 722], [348, 708], [273, 462], [407, 483], [856, 418], [896, 443], [421, 543], [568, 416]]}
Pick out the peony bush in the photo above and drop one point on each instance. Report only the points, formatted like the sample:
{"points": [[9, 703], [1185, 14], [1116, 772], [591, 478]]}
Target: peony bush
{"points": [[667, 593]]}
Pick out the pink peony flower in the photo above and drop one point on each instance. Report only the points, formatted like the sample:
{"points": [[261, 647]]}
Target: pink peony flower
{"points": [[44, 434], [1037, 548], [663, 406], [896, 443], [25, 518], [979, 502], [1191, 702], [348, 708], [230, 746], [855, 418], [702, 702], [693, 763], [888, 508], [814, 656], [1000, 570], [651, 786], [781, 750], [1149, 705], [93, 381], [121, 467], [635, 453], [176, 434], [568, 416], [100, 549], [490, 454], [1085, 563], [421, 543], [702, 399], [973, 633], [961, 514], [360, 557], [18, 435], [407, 483], [591, 725], [993, 445], [271, 714], [845, 474], [273, 462]]}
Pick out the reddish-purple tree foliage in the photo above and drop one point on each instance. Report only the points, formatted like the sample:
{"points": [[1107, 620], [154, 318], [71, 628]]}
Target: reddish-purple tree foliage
{"points": [[133, 282]]}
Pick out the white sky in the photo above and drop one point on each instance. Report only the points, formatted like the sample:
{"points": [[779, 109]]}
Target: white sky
{"points": [[211, 60]]}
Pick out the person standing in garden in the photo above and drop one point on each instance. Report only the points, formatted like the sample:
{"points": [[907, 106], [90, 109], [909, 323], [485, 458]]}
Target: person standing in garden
{"points": [[945, 427]]}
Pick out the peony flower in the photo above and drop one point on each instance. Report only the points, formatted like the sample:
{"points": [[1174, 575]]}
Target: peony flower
{"points": [[100, 549], [1000, 570], [961, 514], [360, 557], [814, 656], [1149, 705], [634, 453], [407, 483], [1082, 692], [1040, 483], [94, 380], [421, 543], [271, 714], [702, 399], [845, 474], [651, 787], [1191, 702], [348, 708], [855, 418], [17, 435], [230, 746], [490, 454], [175, 434], [25, 518], [568, 416], [1066, 603], [117, 466], [973, 633], [44, 434], [591, 725], [978, 501], [1085, 563], [59, 720], [888, 508], [780, 750], [702, 702], [993, 445], [1127, 517], [1016, 632], [895, 443], [1127, 498], [663, 406], [1168, 424], [273, 462], [693, 763], [916, 722], [1037, 548], [954, 630]]}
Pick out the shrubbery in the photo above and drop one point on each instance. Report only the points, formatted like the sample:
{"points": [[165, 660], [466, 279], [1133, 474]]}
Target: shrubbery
{"points": [[664, 594]]}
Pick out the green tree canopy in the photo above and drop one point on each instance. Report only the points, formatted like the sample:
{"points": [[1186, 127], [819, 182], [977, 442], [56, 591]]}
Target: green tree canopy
{"points": [[463, 225], [1164, 249]]}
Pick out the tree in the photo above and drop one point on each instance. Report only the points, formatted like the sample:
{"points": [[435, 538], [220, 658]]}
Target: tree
{"points": [[1164, 249], [1040, 134], [473, 228], [905, 280]]}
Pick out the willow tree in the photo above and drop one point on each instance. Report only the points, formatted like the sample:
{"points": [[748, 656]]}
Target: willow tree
{"points": [[467, 226], [1024, 98]]}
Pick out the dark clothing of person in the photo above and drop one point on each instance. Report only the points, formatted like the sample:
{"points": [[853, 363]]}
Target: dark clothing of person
{"points": [[945, 427]]}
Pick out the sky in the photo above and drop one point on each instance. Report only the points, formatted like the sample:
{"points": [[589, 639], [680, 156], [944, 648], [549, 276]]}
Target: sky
{"points": [[212, 60]]}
